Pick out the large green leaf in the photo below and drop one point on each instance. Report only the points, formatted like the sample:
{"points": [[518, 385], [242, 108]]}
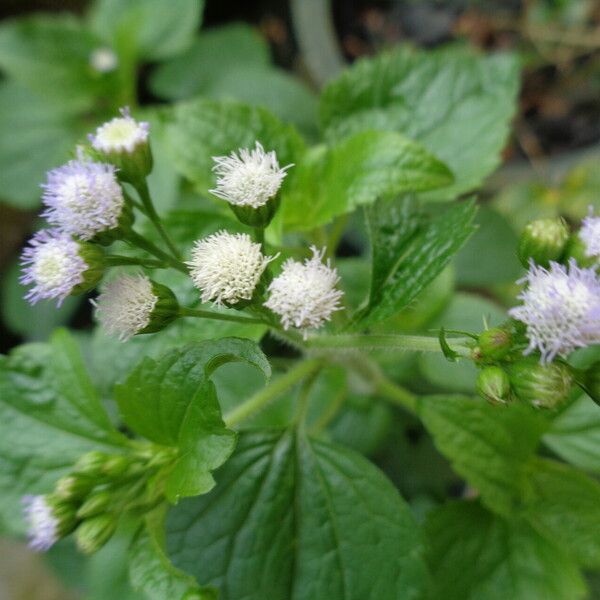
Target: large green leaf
{"points": [[458, 104], [157, 29], [489, 446], [358, 171], [417, 260], [51, 56], [200, 129], [50, 415], [34, 137], [172, 402], [564, 505], [297, 519], [478, 556], [575, 435]]}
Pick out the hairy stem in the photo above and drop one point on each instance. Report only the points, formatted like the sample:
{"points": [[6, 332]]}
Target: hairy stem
{"points": [[151, 213], [116, 260], [141, 242], [207, 314], [263, 397]]}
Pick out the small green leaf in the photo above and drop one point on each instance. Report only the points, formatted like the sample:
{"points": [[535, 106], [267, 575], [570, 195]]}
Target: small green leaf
{"points": [[563, 504], [489, 446], [419, 259], [200, 129], [449, 354], [293, 519], [155, 28], [478, 556], [455, 102], [356, 172]]}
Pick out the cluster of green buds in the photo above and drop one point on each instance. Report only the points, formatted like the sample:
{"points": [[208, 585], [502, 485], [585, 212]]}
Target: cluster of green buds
{"points": [[93, 497]]}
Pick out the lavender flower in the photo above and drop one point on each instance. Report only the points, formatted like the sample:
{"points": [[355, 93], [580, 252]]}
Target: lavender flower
{"points": [[304, 294], [83, 198], [590, 235], [52, 262], [42, 524], [561, 309]]}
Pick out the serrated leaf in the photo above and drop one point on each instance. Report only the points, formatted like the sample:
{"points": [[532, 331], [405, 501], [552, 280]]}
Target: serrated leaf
{"points": [[476, 555], [489, 446], [172, 402], [420, 259], [298, 519], [563, 504], [155, 28], [356, 172], [50, 416], [457, 103], [200, 129]]}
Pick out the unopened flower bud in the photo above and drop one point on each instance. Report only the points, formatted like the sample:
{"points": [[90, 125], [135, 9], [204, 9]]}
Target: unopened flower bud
{"points": [[91, 463], [494, 344], [542, 241], [94, 532], [95, 504], [73, 487], [123, 141], [115, 466], [132, 305], [493, 385], [542, 386]]}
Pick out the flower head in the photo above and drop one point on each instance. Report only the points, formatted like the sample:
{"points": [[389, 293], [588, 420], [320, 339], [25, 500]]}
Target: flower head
{"points": [[226, 267], [590, 235], [43, 525], [125, 306], [83, 198], [103, 60], [248, 178], [561, 309], [304, 294], [121, 134], [53, 263]]}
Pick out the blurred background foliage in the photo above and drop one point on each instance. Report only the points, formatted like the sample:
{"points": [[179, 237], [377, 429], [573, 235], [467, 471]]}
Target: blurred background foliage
{"points": [[67, 65]]}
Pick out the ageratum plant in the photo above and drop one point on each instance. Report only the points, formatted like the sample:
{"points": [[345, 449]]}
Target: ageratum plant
{"points": [[226, 418]]}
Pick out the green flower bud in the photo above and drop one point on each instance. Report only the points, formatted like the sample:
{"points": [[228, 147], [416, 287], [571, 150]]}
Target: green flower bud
{"points": [[543, 240], [91, 463], [73, 487], [94, 532], [260, 216], [93, 255], [542, 386], [115, 466], [493, 344], [95, 504], [493, 385], [165, 311], [65, 514]]}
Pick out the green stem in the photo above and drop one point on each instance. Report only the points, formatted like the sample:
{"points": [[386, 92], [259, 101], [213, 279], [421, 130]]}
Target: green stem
{"points": [[148, 246], [304, 396], [367, 341], [259, 235], [116, 260], [144, 192], [330, 412], [263, 397], [395, 394], [207, 314]]}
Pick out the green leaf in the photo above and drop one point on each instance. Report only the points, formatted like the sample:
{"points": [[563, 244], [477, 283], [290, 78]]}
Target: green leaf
{"points": [[575, 435], [293, 519], [457, 103], [50, 416], [213, 53], [34, 137], [564, 505], [51, 56], [172, 402], [355, 172], [417, 262], [478, 556], [200, 129], [155, 28], [489, 446], [151, 572]]}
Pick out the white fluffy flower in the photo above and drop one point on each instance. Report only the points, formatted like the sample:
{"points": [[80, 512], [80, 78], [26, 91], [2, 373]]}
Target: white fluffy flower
{"points": [[42, 524], [590, 235], [249, 178], [121, 134], [561, 309], [125, 305], [304, 294], [83, 198], [103, 60], [226, 267]]}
